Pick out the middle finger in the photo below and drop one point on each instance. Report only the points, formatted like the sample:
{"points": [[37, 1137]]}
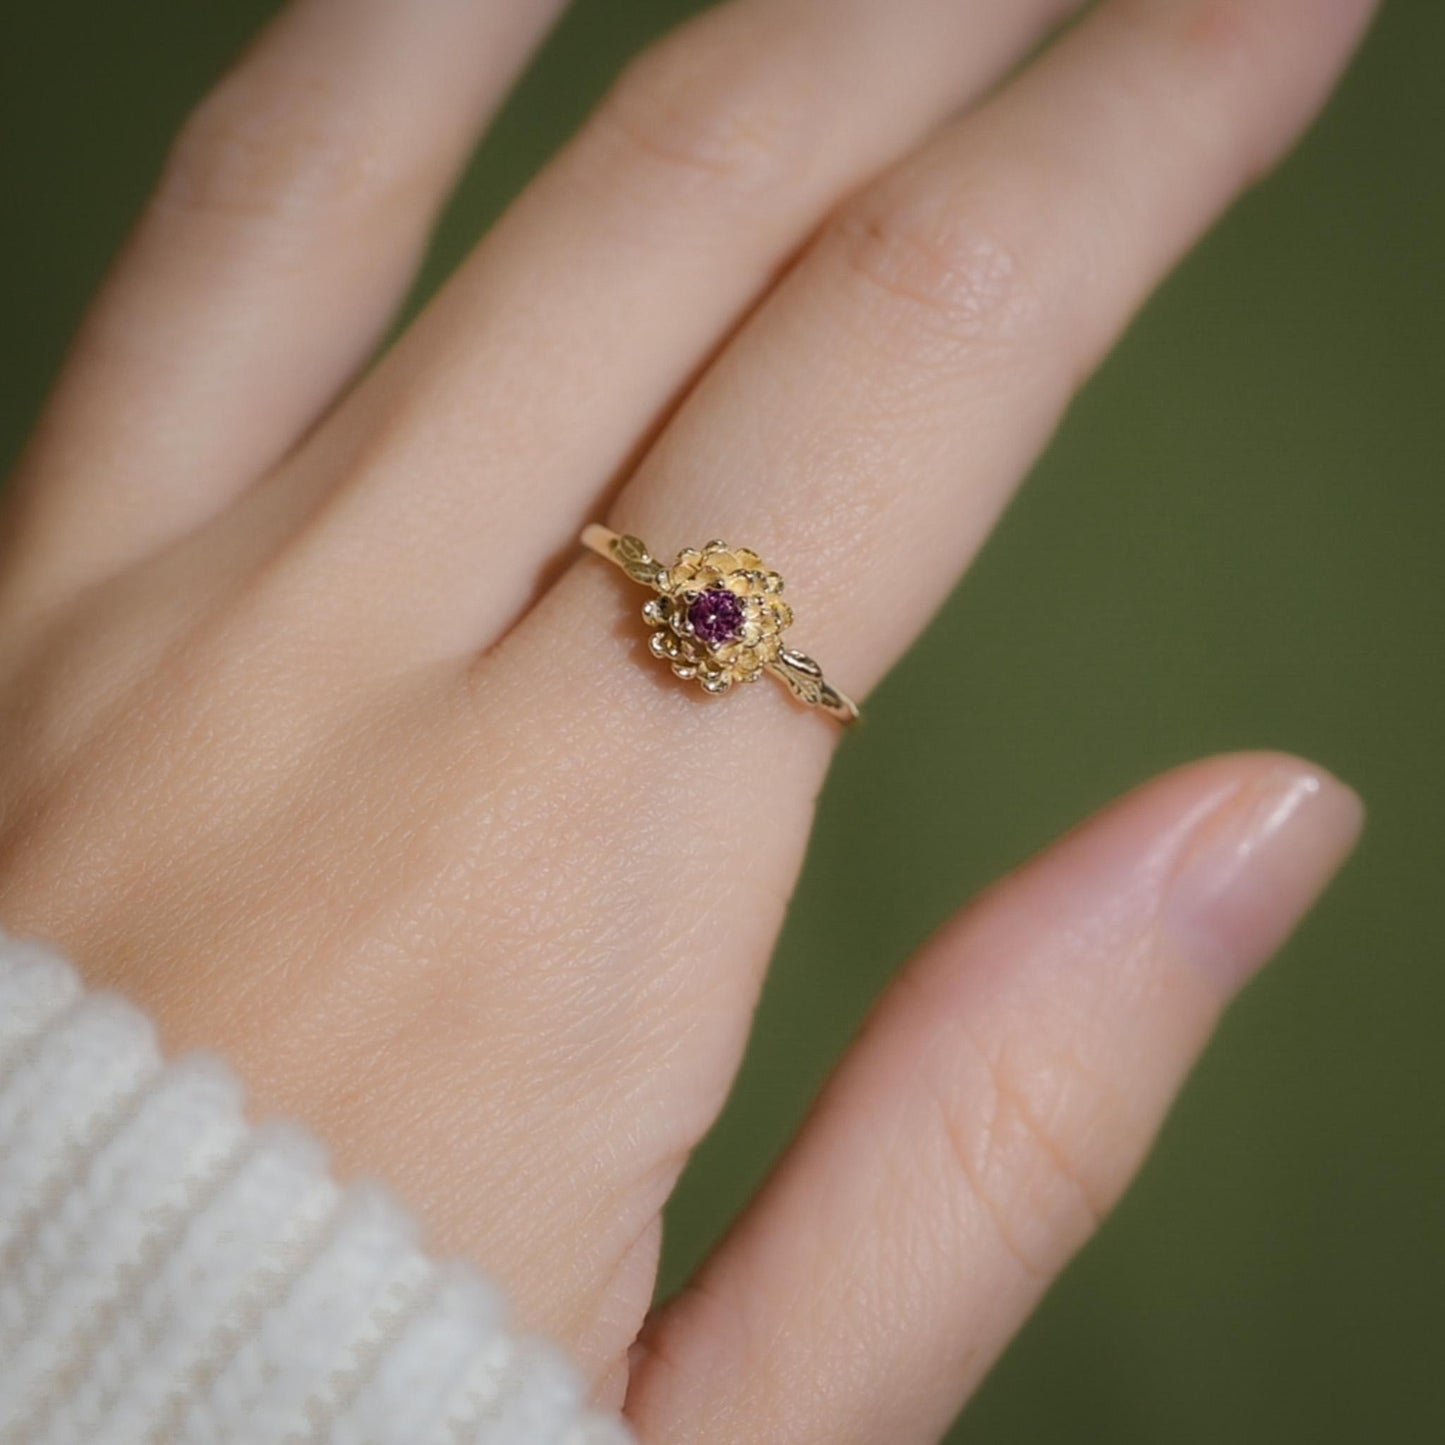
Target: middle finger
{"points": [[490, 428]]}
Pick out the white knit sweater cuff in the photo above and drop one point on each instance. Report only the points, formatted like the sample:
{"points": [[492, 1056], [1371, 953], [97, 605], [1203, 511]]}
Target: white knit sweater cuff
{"points": [[170, 1273]]}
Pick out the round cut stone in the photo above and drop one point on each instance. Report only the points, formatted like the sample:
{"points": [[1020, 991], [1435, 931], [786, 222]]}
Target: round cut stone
{"points": [[716, 616]]}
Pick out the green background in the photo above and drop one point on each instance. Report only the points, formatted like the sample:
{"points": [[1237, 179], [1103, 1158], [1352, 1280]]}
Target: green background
{"points": [[1235, 541]]}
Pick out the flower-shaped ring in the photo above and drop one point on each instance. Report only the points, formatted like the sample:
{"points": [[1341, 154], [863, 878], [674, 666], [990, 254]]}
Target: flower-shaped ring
{"points": [[719, 618]]}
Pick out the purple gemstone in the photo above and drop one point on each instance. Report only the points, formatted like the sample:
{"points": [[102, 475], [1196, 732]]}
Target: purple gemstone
{"points": [[716, 617]]}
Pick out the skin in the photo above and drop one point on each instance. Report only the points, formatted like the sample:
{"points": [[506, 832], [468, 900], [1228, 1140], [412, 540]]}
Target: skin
{"points": [[320, 740]]}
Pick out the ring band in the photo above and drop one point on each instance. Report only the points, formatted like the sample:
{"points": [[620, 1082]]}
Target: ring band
{"points": [[719, 618]]}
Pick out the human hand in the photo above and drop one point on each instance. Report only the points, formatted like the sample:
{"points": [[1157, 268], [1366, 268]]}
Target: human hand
{"points": [[309, 747]]}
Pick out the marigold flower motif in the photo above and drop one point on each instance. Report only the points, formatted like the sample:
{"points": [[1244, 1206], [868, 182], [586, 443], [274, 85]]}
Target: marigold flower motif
{"points": [[718, 616]]}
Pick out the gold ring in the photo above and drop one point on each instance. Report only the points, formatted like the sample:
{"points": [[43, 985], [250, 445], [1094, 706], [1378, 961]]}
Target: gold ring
{"points": [[719, 618]]}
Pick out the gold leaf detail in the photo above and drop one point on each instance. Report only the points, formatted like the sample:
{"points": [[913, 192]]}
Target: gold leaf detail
{"points": [[634, 559], [802, 675]]}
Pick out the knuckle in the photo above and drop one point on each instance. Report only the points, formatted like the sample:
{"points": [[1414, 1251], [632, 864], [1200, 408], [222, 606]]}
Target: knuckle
{"points": [[938, 270], [1234, 48], [690, 114], [1030, 1150], [1199, 71], [271, 143], [1222, 35]]}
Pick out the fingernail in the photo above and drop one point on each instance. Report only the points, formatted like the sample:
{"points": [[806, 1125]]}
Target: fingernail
{"points": [[1256, 864]]}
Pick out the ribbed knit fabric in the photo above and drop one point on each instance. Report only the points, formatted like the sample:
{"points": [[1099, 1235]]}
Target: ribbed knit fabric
{"points": [[172, 1275]]}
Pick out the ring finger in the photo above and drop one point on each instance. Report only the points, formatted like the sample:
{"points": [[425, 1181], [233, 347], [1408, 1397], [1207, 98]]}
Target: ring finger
{"points": [[865, 429]]}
